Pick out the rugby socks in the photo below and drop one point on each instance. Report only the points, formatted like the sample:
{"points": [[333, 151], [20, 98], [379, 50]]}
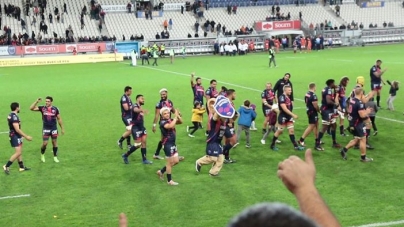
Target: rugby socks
{"points": [[363, 157], [131, 150], [333, 136], [55, 151], [378, 100], [367, 132], [320, 136], [301, 139], [43, 149], [163, 170], [121, 140], [143, 150], [344, 149], [226, 151], [274, 141], [329, 130], [293, 140], [159, 146], [168, 177], [9, 163], [341, 129], [128, 140], [21, 164]]}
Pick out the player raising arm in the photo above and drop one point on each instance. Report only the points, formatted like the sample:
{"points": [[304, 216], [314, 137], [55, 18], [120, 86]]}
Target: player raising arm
{"points": [[50, 118]]}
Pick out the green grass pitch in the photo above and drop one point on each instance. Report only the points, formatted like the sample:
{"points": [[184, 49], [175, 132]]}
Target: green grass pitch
{"points": [[91, 185]]}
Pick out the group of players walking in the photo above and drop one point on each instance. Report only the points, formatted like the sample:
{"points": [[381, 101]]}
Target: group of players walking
{"points": [[277, 106]]}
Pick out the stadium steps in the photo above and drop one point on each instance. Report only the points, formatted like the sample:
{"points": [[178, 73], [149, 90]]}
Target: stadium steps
{"points": [[334, 15]]}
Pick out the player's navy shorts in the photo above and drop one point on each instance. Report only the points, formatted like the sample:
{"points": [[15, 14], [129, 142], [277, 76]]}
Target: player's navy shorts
{"points": [[327, 115], [49, 132], [138, 132], [313, 117], [271, 117], [214, 149], [358, 130], [127, 121], [375, 86], [170, 149], [15, 141], [284, 119]]}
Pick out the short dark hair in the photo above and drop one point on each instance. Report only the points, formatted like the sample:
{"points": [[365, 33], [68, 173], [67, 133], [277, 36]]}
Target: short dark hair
{"points": [[138, 96], [312, 85], [14, 106], [329, 82], [230, 91], [290, 76], [50, 98], [127, 88], [213, 81], [224, 88], [198, 78], [247, 103], [379, 61], [271, 215], [344, 79]]}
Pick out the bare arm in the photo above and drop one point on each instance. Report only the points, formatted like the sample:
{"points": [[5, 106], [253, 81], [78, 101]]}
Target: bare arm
{"points": [[315, 104], [286, 110], [60, 122], [311, 203], [20, 132], [125, 106], [329, 100], [156, 116], [34, 106], [192, 80]]}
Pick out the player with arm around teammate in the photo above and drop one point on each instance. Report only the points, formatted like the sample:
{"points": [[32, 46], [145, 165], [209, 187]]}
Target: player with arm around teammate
{"points": [[286, 119], [138, 131], [357, 115], [167, 127], [50, 117], [15, 135]]}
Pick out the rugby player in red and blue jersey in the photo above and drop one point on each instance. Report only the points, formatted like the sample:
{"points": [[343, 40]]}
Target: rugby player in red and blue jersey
{"points": [[51, 118]]}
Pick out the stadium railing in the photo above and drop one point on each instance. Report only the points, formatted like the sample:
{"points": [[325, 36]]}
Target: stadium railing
{"points": [[244, 3], [383, 35]]}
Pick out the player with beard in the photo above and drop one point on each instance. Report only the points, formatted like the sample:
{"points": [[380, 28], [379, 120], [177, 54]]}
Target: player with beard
{"points": [[376, 80], [268, 99], [126, 110], [360, 81], [50, 118], [197, 90], [211, 92], [328, 112], [312, 110], [286, 118], [357, 113], [285, 81], [167, 127], [138, 131], [230, 132], [340, 100], [164, 102], [15, 137]]}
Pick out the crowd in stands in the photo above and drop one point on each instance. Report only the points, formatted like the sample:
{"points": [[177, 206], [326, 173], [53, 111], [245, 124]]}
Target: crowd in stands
{"points": [[327, 25]]}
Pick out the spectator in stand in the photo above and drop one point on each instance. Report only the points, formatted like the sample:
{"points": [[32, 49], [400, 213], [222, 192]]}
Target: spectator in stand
{"points": [[56, 11], [129, 7], [311, 26], [84, 10], [207, 4], [157, 36], [301, 15], [390, 25], [165, 24], [229, 9], [50, 18], [337, 9], [370, 25], [361, 26], [33, 22], [82, 23], [196, 27], [170, 24], [23, 25], [234, 9], [384, 24], [102, 14], [403, 4], [278, 9], [58, 18], [64, 7]]}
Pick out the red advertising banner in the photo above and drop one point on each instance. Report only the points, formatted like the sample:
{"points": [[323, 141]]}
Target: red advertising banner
{"points": [[63, 48], [277, 25]]}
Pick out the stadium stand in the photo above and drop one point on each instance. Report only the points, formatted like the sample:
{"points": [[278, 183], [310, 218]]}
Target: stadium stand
{"points": [[391, 12], [11, 22], [119, 24], [72, 18], [383, 35]]}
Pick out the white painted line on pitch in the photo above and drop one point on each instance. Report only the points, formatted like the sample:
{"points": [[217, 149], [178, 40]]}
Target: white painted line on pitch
{"points": [[240, 86], [15, 196], [344, 60], [391, 223], [3, 132]]}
